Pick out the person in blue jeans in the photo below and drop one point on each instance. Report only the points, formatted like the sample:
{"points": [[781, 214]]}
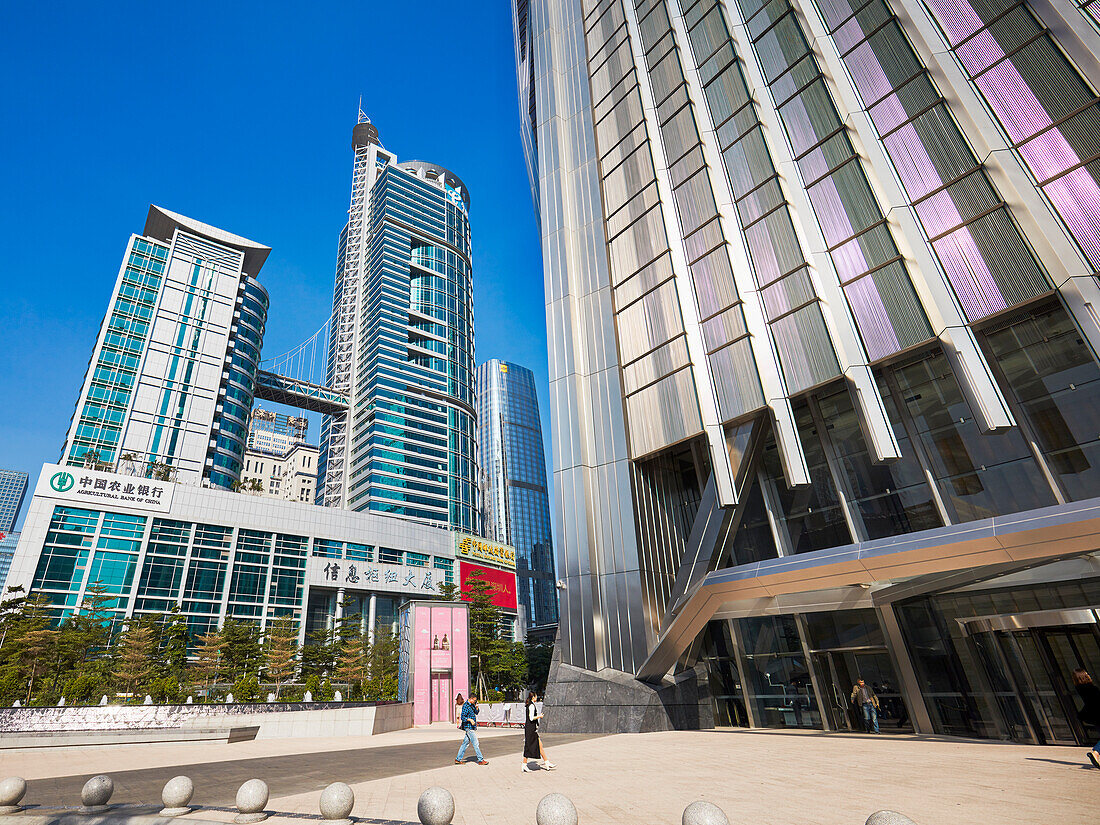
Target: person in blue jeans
{"points": [[468, 725], [864, 698]]}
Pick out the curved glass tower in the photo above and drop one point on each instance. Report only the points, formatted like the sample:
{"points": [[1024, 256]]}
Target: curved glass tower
{"points": [[402, 345], [514, 495], [171, 380]]}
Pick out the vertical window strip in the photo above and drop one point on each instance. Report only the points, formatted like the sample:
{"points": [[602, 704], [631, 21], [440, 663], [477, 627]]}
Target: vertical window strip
{"points": [[779, 265], [887, 312], [1047, 109], [938, 170]]}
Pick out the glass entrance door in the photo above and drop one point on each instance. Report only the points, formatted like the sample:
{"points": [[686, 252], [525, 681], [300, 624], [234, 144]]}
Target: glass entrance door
{"points": [[1042, 661], [1033, 658], [840, 670]]}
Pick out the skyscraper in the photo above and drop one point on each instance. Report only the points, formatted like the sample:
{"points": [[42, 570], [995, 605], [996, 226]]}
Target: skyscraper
{"points": [[171, 380], [820, 279], [402, 345], [13, 486], [515, 500]]}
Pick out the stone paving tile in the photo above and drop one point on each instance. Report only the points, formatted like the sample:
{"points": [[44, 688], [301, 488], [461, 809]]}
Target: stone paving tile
{"points": [[757, 777]]}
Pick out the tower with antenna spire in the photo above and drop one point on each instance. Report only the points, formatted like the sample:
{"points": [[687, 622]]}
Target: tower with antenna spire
{"points": [[401, 344]]}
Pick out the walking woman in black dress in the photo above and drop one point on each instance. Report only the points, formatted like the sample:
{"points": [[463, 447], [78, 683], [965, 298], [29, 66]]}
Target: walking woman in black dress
{"points": [[532, 746]]}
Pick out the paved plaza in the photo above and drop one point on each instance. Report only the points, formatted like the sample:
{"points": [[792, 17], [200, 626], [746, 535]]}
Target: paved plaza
{"points": [[757, 777]]}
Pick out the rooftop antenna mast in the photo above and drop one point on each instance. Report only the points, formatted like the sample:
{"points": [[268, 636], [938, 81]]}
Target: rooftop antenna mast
{"points": [[362, 115]]}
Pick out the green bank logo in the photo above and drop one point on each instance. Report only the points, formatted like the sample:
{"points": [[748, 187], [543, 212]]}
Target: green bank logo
{"points": [[62, 482]]}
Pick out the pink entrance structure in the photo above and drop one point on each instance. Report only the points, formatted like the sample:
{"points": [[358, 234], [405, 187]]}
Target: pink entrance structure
{"points": [[433, 659]]}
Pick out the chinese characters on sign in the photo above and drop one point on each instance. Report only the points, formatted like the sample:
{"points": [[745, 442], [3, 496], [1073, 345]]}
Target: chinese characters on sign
{"points": [[106, 488], [367, 576]]}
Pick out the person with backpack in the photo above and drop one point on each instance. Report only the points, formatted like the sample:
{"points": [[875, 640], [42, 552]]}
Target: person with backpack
{"points": [[468, 725]]}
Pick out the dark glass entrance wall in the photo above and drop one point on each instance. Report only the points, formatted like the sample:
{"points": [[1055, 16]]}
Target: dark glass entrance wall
{"points": [[777, 684], [1054, 383], [995, 687]]}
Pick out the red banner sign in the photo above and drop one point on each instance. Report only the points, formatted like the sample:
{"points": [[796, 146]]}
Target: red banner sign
{"points": [[502, 583]]}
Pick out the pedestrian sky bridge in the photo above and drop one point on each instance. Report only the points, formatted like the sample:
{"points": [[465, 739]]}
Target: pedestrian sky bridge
{"points": [[297, 378]]}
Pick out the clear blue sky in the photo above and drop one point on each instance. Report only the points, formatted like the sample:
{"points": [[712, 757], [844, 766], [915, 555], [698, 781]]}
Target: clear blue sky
{"points": [[239, 117]]}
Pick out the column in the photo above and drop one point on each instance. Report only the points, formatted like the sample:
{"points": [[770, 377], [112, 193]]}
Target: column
{"points": [[370, 617]]}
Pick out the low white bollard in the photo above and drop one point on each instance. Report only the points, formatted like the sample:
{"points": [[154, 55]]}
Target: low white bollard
{"points": [[308, 697], [176, 795], [103, 701], [337, 697], [436, 806], [12, 791], [889, 818], [336, 803], [251, 800], [96, 793], [556, 809], [148, 700], [704, 813]]}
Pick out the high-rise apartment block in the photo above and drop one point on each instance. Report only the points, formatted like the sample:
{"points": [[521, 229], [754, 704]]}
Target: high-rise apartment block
{"points": [[820, 282], [9, 542], [13, 487], [402, 345], [514, 495], [171, 380]]}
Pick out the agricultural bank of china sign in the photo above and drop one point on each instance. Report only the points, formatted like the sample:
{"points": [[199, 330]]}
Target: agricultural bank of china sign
{"points": [[482, 550], [93, 488]]}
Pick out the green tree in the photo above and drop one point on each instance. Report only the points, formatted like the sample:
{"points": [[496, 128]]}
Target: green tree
{"points": [[208, 659], [241, 654], [381, 683], [281, 651], [353, 663], [318, 655], [538, 664], [175, 640], [134, 657], [448, 591], [485, 619]]}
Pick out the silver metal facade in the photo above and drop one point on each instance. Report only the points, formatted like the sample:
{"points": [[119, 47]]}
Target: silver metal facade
{"points": [[761, 220]]}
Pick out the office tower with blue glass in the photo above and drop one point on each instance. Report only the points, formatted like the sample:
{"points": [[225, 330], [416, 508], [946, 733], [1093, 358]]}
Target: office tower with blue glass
{"points": [[171, 380], [821, 279], [13, 487], [514, 495], [401, 346]]}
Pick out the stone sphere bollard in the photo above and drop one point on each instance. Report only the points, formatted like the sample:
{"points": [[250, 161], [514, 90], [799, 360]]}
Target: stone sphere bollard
{"points": [[556, 809], [337, 800], [176, 794], [436, 806], [704, 813], [889, 818], [251, 799], [95, 794], [12, 791]]}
